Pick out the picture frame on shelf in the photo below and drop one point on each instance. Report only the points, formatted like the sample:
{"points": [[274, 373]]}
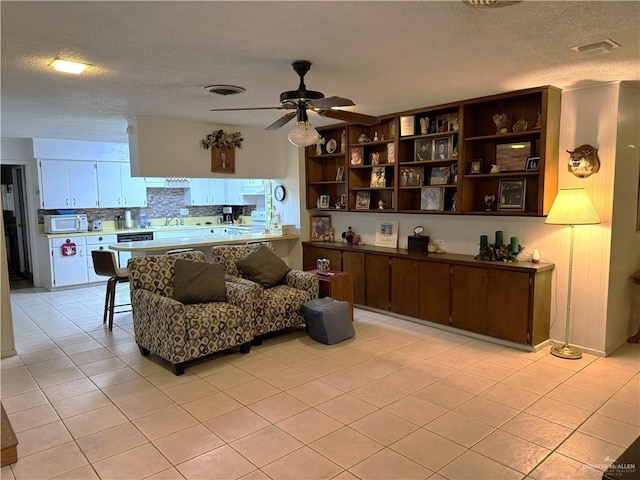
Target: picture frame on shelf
{"points": [[355, 155], [454, 173], [324, 201], [432, 198], [340, 174], [391, 152], [422, 150], [512, 157], [475, 166], [363, 200], [442, 123], [407, 125], [378, 177], [411, 176], [533, 164], [440, 175], [387, 234], [512, 194], [441, 148], [320, 227]]}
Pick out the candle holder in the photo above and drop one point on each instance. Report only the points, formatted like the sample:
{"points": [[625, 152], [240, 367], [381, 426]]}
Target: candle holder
{"points": [[499, 252]]}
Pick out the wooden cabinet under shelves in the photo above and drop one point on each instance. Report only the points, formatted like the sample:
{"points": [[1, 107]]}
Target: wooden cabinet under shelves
{"points": [[510, 302]]}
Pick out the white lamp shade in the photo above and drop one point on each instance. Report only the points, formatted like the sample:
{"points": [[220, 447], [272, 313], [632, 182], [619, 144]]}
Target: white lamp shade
{"points": [[303, 134], [572, 207]]}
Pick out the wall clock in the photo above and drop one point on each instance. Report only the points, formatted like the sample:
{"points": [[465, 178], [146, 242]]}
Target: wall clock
{"points": [[279, 193]]}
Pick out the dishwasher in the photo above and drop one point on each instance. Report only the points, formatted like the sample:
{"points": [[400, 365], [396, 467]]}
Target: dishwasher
{"points": [[123, 257]]}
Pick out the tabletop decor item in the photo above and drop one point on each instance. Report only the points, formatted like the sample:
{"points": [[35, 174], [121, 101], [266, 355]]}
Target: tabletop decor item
{"points": [[498, 251]]}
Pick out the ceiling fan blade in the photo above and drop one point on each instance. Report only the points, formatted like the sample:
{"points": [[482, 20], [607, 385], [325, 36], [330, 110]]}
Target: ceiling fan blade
{"points": [[281, 121], [241, 109], [332, 102], [347, 116]]}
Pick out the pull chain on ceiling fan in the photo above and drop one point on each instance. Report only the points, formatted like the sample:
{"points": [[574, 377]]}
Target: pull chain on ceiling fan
{"points": [[301, 100]]}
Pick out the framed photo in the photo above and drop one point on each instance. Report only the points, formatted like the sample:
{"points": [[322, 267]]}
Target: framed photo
{"points": [[432, 198], [324, 201], [355, 155], [442, 123], [378, 178], [441, 150], [439, 175], [407, 125], [340, 174], [512, 193], [391, 152], [454, 173], [533, 164], [512, 156], [422, 150], [362, 200], [476, 166], [223, 159], [387, 234], [320, 225], [411, 176]]}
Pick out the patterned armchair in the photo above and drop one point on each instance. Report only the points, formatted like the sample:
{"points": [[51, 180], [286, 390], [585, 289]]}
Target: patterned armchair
{"points": [[178, 332], [281, 305]]}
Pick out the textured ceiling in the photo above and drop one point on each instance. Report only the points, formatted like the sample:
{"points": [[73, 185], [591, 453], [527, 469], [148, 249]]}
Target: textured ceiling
{"points": [[154, 58]]}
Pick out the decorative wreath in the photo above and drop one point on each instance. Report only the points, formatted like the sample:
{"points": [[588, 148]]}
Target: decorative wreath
{"points": [[220, 139]]}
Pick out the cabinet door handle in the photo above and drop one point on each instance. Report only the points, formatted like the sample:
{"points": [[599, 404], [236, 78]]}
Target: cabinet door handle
{"points": [[119, 200], [66, 202]]}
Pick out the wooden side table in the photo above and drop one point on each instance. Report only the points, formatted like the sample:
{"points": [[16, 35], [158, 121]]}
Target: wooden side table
{"points": [[338, 285]]}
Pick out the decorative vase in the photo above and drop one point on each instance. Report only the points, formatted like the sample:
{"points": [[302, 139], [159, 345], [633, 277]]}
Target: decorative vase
{"points": [[348, 235]]}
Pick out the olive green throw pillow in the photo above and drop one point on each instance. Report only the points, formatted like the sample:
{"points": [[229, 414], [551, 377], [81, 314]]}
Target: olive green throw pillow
{"points": [[198, 282], [264, 267]]}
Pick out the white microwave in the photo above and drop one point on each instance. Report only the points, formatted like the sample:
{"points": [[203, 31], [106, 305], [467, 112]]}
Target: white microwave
{"points": [[65, 223]]}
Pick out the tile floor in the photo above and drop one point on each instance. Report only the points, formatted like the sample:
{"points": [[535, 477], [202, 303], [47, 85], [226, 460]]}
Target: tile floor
{"points": [[398, 401]]}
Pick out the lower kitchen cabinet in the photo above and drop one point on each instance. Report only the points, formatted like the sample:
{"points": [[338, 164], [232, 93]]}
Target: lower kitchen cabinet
{"points": [[405, 286], [376, 281], [434, 298], [99, 242], [68, 262], [510, 302], [353, 262]]}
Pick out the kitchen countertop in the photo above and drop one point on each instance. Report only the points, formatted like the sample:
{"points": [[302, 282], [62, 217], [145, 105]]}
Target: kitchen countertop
{"points": [[157, 246]]}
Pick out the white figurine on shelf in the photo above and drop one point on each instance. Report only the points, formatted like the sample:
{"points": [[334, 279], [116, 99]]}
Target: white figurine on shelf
{"points": [[319, 144]]}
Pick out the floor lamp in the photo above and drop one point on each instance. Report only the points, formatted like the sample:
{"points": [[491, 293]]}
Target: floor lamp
{"points": [[571, 207]]}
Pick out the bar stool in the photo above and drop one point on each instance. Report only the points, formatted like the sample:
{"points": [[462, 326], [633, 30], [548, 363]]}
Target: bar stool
{"points": [[104, 263]]}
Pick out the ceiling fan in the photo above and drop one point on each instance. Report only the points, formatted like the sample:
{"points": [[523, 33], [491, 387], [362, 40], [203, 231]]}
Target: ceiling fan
{"points": [[301, 100]]}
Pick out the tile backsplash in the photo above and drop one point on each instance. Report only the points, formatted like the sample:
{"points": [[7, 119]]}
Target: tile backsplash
{"points": [[161, 202]]}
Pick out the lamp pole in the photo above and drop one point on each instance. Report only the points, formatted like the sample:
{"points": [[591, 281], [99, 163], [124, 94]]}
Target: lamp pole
{"points": [[565, 351]]}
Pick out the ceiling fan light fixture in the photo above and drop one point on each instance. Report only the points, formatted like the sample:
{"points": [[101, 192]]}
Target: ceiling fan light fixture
{"points": [[68, 66], [225, 89], [303, 134]]}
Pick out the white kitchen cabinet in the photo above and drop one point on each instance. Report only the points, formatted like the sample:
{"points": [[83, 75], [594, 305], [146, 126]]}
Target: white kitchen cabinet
{"points": [[116, 187], [234, 193], [252, 186], [97, 242], [205, 191], [68, 270], [67, 184]]}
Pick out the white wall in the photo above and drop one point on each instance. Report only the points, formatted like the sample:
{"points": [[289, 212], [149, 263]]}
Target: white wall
{"points": [[162, 147], [624, 296]]}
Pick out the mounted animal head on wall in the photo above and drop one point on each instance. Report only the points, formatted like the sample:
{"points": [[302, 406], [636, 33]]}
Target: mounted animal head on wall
{"points": [[583, 161]]}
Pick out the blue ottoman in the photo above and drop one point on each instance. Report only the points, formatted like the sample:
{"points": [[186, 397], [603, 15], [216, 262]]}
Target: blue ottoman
{"points": [[328, 320]]}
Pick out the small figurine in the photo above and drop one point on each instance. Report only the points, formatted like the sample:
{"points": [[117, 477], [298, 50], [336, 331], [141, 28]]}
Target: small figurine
{"points": [[495, 168], [501, 121], [375, 136], [343, 143], [424, 126], [520, 126], [375, 158], [381, 204], [319, 144], [488, 202]]}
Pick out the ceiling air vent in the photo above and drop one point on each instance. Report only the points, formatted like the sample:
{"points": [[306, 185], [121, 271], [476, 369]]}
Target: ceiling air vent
{"points": [[224, 89], [490, 3]]}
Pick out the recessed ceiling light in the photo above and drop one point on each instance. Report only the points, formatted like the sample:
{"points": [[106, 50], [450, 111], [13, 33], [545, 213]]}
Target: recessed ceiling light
{"points": [[594, 48], [67, 66], [224, 89]]}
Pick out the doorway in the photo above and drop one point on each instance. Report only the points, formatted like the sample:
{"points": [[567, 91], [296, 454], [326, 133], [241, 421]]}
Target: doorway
{"points": [[14, 217]]}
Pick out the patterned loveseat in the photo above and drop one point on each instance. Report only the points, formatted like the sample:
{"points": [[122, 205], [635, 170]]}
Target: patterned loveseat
{"points": [[178, 332], [281, 305]]}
